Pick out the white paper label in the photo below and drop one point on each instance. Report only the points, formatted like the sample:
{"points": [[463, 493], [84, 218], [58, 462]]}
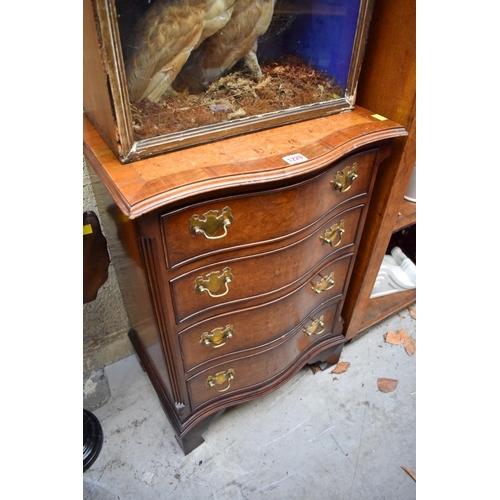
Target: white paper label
{"points": [[295, 158]]}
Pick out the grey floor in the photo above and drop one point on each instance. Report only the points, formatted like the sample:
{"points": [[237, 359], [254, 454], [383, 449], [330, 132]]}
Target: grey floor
{"points": [[323, 435]]}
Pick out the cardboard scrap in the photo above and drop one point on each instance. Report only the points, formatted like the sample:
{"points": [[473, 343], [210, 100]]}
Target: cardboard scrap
{"points": [[341, 367], [387, 384]]}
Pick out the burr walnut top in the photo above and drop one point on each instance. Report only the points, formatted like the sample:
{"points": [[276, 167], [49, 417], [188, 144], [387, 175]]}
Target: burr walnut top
{"points": [[252, 159]]}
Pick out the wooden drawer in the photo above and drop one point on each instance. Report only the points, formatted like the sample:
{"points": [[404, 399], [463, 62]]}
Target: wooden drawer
{"points": [[256, 276], [252, 370], [166, 224], [259, 326], [265, 216]]}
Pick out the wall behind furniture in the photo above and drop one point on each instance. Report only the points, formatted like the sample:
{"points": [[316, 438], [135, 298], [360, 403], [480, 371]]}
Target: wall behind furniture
{"points": [[105, 325]]}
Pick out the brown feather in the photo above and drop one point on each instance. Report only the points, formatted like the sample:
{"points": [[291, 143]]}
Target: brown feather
{"points": [[235, 41], [163, 40]]}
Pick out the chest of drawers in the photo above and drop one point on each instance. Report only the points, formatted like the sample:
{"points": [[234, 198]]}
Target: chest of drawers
{"points": [[234, 258]]}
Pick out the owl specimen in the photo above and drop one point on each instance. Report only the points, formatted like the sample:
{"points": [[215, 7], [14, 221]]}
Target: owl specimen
{"points": [[163, 39], [206, 38], [236, 41]]}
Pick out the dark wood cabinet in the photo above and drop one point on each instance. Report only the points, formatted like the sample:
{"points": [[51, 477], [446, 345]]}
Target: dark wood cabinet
{"points": [[234, 258]]}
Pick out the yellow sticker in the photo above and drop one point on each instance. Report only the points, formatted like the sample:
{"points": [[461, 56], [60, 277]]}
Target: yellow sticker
{"points": [[379, 117], [87, 229]]}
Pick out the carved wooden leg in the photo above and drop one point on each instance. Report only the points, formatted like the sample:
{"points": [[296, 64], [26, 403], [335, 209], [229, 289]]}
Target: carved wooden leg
{"points": [[331, 356], [191, 439]]}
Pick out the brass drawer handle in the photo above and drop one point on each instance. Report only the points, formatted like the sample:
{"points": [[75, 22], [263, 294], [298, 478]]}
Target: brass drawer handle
{"points": [[212, 223], [325, 283], [311, 329], [337, 230], [213, 282], [217, 337], [345, 177], [221, 378]]}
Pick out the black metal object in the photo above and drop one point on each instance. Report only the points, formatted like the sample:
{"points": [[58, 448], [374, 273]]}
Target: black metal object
{"points": [[92, 439], [95, 273]]}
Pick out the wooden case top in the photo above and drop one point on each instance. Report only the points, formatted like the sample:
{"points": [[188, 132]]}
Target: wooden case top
{"points": [[244, 161]]}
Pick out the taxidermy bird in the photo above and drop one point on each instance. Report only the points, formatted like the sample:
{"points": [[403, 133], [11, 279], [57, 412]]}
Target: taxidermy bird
{"points": [[236, 40], [163, 39]]}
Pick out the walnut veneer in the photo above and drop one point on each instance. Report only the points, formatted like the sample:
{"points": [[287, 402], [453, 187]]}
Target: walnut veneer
{"points": [[234, 257]]}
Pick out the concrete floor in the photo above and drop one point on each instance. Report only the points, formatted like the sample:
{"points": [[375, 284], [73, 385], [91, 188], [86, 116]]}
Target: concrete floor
{"points": [[323, 435]]}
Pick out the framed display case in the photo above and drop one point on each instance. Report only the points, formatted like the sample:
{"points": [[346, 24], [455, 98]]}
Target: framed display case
{"points": [[161, 75]]}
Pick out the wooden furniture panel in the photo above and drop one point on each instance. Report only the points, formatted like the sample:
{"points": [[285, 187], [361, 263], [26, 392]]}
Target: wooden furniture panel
{"points": [[278, 214], [286, 323], [252, 370], [260, 276], [242, 164], [380, 308], [407, 215], [387, 85], [253, 327]]}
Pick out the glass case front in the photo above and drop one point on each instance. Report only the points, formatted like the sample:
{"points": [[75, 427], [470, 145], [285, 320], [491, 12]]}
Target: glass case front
{"points": [[198, 71]]}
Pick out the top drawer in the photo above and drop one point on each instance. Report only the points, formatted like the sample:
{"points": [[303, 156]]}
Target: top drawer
{"points": [[239, 221]]}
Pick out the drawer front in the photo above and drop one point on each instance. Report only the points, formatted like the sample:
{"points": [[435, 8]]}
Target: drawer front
{"points": [[206, 289], [259, 326], [247, 372], [203, 229]]}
